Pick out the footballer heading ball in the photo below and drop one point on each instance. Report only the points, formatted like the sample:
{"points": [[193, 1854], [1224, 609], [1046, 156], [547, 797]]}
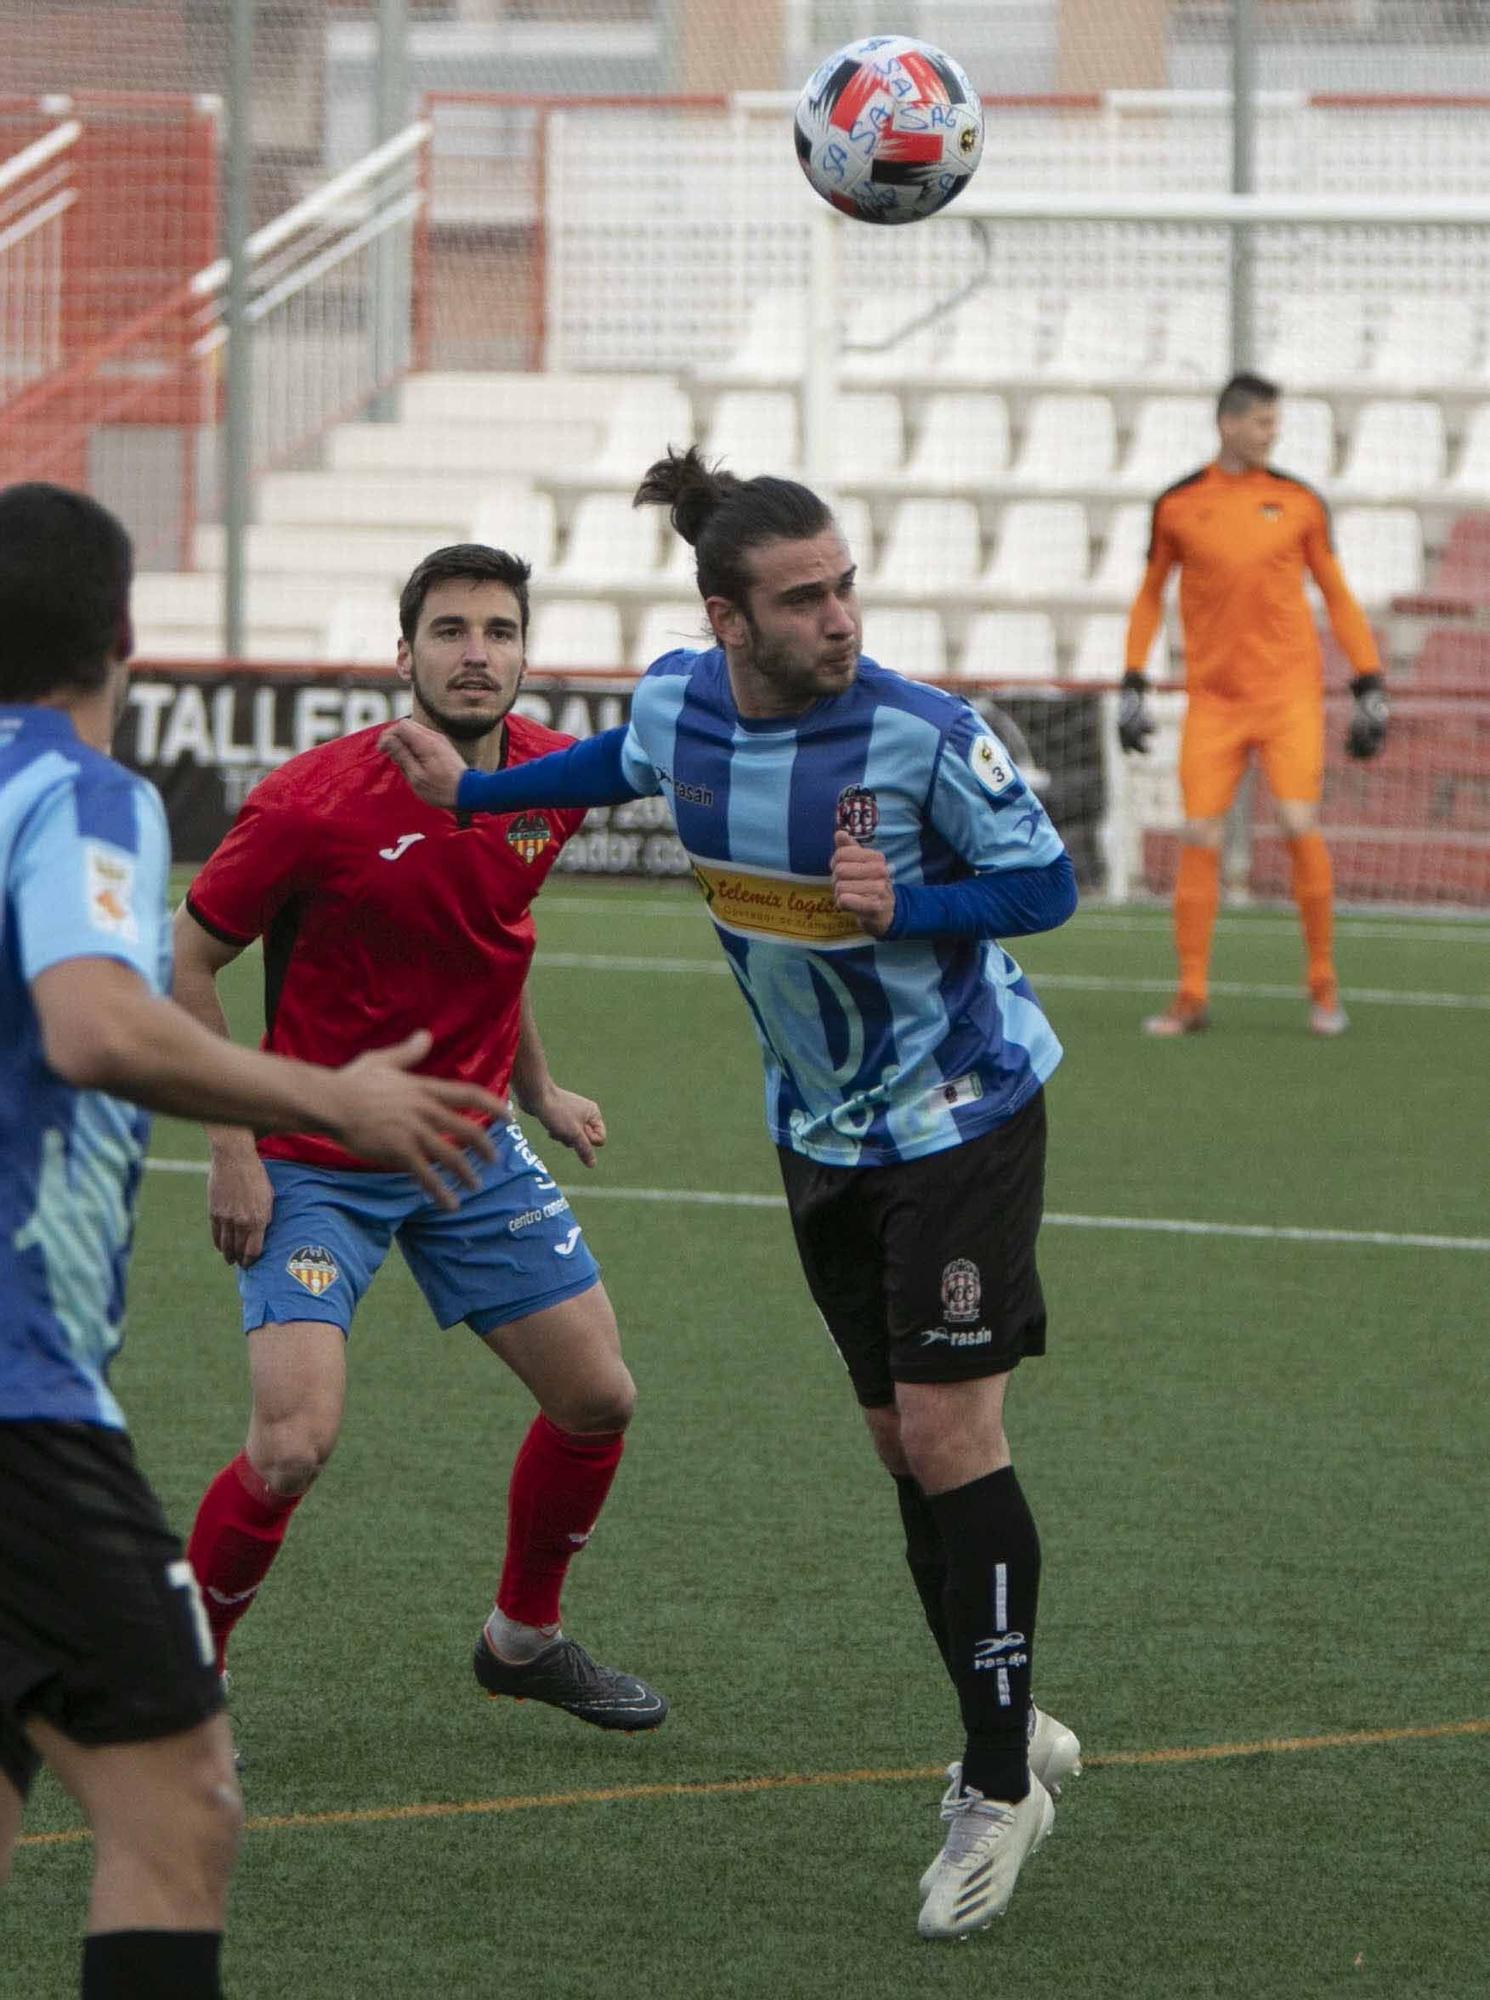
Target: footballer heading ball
{"points": [[889, 129]]}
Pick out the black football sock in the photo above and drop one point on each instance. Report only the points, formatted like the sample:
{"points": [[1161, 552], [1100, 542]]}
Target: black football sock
{"points": [[925, 1557], [152, 1965], [993, 1586]]}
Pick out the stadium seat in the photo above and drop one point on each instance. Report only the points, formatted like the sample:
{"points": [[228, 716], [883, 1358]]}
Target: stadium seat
{"points": [[963, 438], [574, 635], [1124, 555], [1462, 575], [663, 628], [933, 546], [362, 630], [610, 542], [909, 642], [1099, 650], [1069, 441], [1397, 447], [1380, 551], [1471, 476], [870, 436], [1011, 646], [1102, 338], [854, 522], [647, 418], [1043, 550], [522, 522], [1305, 447], [1425, 343], [1319, 340], [773, 346], [1173, 436], [905, 361], [1194, 336], [993, 338], [754, 431]]}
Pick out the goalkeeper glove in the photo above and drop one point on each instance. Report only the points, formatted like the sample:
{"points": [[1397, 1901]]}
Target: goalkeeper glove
{"points": [[1368, 720], [1135, 724]]}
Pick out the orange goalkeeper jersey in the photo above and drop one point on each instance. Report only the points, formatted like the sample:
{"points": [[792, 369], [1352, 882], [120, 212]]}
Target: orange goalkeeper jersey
{"points": [[1242, 540]]}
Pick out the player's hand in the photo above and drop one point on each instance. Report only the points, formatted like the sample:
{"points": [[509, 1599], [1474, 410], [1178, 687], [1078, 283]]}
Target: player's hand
{"points": [[430, 761], [862, 885], [240, 1199], [1135, 724], [1367, 734], [573, 1120], [385, 1115]]}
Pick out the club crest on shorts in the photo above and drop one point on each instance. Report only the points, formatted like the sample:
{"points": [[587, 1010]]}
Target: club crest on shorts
{"points": [[313, 1266], [530, 833], [962, 1292], [858, 812]]}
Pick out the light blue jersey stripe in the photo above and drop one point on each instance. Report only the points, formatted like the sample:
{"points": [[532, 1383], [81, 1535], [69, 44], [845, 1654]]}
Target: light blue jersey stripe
{"points": [[874, 1051]]}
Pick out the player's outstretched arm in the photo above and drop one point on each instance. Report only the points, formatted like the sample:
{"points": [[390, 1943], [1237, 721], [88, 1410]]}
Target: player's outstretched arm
{"points": [[103, 1029], [591, 773]]}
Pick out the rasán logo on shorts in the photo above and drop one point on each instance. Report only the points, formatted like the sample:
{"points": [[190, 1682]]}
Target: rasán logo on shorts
{"points": [[313, 1266], [530, 833], [858, 812], [962, 1292]]}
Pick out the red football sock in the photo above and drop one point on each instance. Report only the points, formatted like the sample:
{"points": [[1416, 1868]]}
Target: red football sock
{"points": [[559, 1483], [235, 1537]]}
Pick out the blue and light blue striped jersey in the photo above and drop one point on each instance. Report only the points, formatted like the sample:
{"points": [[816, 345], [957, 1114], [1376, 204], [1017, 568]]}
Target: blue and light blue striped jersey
{"points": [[875, 1050], [83, 857]]}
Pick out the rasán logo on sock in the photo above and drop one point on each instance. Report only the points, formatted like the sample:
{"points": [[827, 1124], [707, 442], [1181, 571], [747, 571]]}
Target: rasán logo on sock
{"points": [[313, 1266]]}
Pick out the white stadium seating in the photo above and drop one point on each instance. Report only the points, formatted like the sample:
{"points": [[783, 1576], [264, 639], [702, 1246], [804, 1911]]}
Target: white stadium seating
{"points": [[1318, 340], [1010, 645], [1380, 551], [1102, 338], [1306, 439], [910, 642], [568, 634], [998, 339], [755, 431], [1173, 435], [1120, 566], [610, 543], [963, 437], [933, 546], [1043, 550], [663, 628], [1069, 441], [1397, 447]]}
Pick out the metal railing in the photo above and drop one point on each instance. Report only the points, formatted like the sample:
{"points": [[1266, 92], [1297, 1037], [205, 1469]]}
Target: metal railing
{"points": [[36, 191]]}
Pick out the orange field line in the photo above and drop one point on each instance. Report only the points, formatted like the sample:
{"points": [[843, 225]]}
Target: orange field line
{"points": [[1200, 1753]]}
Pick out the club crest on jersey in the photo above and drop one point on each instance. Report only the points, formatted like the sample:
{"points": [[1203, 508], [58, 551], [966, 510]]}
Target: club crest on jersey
{"points": [[313, 1266], [962, 1292], [858, 812], [530, 833], [1270, 511]]}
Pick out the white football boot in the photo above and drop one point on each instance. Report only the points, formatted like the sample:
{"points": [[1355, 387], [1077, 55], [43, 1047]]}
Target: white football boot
{"points": [[987, 1844], [1055, 1755]]}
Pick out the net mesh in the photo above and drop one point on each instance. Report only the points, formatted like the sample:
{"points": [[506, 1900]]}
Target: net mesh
{"points": [[602, 244]]}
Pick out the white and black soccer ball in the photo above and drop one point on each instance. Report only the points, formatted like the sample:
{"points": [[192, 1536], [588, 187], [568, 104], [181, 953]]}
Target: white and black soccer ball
{"points": [[889, 129]]}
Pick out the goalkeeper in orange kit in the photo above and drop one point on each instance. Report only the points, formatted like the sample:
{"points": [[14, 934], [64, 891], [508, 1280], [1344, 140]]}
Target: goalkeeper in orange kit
{"points": [[1242, 535]]}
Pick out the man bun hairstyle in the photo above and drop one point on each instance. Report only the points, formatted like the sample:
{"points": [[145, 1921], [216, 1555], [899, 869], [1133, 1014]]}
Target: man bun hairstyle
{"points": [[723, 517], [463, 562], [65, 570]]}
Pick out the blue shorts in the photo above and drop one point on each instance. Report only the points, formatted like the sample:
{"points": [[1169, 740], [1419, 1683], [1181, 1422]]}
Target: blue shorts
{"points": [[510, 1249]]}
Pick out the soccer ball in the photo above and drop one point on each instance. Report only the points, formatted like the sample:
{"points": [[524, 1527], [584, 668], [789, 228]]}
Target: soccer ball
{"points": [[889, 129]]}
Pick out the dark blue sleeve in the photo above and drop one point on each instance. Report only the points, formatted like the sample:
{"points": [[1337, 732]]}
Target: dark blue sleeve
{"points": [[1012, 902], [586, 774]]}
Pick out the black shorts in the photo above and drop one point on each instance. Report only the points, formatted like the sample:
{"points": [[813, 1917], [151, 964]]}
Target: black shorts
{"points": [[925, 1271], [101, 1630]]}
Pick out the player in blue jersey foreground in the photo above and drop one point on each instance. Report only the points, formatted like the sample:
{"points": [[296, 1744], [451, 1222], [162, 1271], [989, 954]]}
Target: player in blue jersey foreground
{"points": [[106, 1666], [862, 842]]}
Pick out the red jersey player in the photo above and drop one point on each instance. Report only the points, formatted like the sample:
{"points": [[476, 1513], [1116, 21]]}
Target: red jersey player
{"points": [[378, 913]]}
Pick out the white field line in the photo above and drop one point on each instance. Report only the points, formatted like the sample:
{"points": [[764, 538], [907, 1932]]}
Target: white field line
{"points": [[1140, 1224], [1056, 982], [1465, 930]]}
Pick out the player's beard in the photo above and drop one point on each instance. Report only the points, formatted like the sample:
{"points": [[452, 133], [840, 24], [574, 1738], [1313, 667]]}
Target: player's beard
{"points": [[462, 728], [793, 678]]}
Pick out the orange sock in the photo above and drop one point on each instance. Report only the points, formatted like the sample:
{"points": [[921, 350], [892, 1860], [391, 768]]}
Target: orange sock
{"points": [[1314, 892], [1197, 893]]}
